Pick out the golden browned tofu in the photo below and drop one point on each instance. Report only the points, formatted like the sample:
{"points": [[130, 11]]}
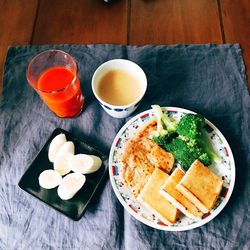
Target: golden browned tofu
{"points": [[170, 192], [151, 198], [201, 186], [140, 157]]}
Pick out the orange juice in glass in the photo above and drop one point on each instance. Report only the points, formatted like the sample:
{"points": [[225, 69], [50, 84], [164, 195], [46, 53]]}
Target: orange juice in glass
{"points": [[53, 74]]}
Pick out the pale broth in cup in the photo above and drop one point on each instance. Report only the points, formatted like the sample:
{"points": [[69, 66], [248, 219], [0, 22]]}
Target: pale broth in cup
{"points": [[118, 87]]}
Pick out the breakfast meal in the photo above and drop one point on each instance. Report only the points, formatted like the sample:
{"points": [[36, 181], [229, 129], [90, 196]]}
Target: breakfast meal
{"points": [[166, 167], [73, 167]]}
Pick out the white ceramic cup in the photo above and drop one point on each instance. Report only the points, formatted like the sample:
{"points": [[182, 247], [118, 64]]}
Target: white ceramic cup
{"points": [[125, 65]]}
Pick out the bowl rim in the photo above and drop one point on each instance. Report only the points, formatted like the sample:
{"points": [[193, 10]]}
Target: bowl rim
{"points": [[125, 61]]}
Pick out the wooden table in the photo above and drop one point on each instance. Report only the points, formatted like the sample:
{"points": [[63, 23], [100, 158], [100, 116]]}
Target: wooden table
{"points": [[135, 22]]}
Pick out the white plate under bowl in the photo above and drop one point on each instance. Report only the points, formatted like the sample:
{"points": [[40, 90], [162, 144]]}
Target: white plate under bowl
{"points": [[225, 169]]}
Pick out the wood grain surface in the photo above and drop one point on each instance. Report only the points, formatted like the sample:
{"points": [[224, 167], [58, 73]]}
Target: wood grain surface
{"points": [[236, 24], [81, 22], [174, 21], [16, 26], [124, 22]]}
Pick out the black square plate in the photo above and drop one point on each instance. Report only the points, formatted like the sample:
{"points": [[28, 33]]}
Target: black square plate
{"points": [[75, 207]]}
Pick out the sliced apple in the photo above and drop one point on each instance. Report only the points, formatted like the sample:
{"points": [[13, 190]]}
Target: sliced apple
{"points": [[54, 146], [49, 179], [67, 147], [61, 163], [84, 164], [61, 159], [70, 185]]}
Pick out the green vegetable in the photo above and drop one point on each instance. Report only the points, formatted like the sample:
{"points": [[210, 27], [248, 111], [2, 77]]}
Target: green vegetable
{"points": [[206, 145], [185, 153], [190, 130], [165, 125], [180, 150], [185, 140], [165, 139], [190, 126]]}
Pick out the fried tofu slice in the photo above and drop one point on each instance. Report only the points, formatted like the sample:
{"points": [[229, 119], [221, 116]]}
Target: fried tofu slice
{"points": [[170, 192], [151, 198], [141, 156], [201, 186]]}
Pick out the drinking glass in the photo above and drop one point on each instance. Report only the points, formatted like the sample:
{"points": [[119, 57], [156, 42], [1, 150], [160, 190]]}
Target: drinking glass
{"points": [[53, 75]]}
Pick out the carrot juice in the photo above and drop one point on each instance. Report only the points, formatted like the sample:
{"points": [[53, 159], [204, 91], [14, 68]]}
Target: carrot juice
{"points": [[60, 89]]}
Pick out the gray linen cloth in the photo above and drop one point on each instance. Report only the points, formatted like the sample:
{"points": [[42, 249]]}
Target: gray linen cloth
{"points": [[208, 79]]}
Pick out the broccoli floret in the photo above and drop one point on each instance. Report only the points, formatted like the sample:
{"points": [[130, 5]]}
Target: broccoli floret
{"points": [[205, 159], [190, 130], [169, 123], [165, 124], [190, 126], [181, 152], [164, 139], [186, 153], [185, 140], [207, 147]]}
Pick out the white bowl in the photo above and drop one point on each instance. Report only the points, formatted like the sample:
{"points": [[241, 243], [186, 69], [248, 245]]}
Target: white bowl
{"points": [[128, 66]]}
